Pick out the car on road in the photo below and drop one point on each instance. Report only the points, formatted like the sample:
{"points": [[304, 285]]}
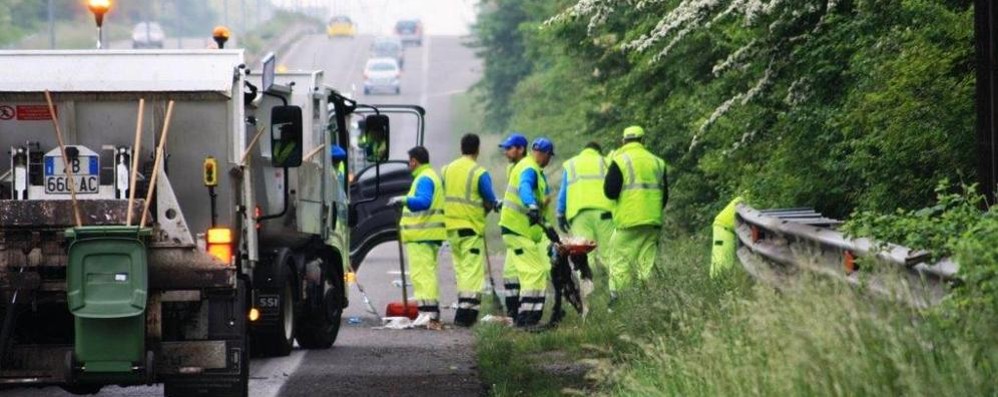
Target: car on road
{"points": [[148, 35], [389, 47], [341, 26], [410, 31], [382, 74]]}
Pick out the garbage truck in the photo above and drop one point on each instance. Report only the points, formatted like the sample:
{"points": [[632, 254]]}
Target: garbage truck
{"points": [[153, 246]]}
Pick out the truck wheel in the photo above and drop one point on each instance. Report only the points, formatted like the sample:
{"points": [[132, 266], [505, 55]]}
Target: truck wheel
{"points": [[280, 340], [319, 328]]}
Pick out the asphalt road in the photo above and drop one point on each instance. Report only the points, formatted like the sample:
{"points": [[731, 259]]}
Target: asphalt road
{"points": [[367, 361]]}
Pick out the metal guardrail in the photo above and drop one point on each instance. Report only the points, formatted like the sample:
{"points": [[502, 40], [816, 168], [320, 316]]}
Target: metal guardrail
{"points": [[777, 244]]}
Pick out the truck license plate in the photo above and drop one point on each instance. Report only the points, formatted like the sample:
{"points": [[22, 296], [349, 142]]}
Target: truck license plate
{"points": [[86, 175]]}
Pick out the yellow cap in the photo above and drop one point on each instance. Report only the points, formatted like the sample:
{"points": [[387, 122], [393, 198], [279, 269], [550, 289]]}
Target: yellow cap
{"points": [[634, 131]]}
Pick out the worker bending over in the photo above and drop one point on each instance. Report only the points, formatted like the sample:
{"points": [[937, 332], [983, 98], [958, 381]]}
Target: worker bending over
{"points": [[637, 181], [524, 207], [583, 209], [423, 231], [515, 149], [468, 197]]}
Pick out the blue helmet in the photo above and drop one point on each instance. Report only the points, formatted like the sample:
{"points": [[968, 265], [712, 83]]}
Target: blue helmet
{"points": [[543, 145], [337, 153], [515, 139]]}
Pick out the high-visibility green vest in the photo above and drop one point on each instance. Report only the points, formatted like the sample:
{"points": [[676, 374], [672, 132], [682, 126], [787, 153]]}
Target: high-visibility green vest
{"points": [[586, 173], [640, 201], [464, 207], [427, 225], [514, 212]]}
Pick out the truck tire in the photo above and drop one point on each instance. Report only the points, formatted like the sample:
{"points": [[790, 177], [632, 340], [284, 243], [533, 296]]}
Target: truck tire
{"points": [[320, 327], [278, 339]]}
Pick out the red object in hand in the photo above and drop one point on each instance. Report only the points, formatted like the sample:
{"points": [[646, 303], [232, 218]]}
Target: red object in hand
{"points": [[577, 245], [397, 309]]}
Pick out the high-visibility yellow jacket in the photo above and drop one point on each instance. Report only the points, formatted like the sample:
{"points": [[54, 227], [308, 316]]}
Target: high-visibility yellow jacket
{"points": [[464, 207], [585, 174], [429, 224], [514, 212], [640, 201]]}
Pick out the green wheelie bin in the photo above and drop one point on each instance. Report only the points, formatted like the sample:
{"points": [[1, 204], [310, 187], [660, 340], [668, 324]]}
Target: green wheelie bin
{"points": [[107, 283]]}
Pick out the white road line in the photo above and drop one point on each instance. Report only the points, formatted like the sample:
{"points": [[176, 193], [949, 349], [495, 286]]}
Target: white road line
{"points": [[269, 375], [425, 89]]}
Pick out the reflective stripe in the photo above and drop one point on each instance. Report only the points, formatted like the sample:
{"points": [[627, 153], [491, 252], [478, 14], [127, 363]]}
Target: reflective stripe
{"points": [[512, 189], [513, 281], [468, 295], [424, 226], [516, 206], [468, 306], [511, 292], [630, 166], [423, 213], [642, 186], [573, 175], [531, 307], [461, 200], [471, 179], [427, 302]]}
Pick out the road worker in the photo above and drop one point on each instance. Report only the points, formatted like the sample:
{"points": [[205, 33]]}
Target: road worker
{"points": [[637, 182], [515, 149], [339, 158], [524, 206], [723, 254], [582, 209], [423, 231], [468, 198]]}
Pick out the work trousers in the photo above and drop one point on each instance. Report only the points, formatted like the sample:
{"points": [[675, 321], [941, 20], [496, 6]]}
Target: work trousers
{"points": [[533, 270], [723, 254], [468, 251], [423, 271], [632, 255], [595, 225]]}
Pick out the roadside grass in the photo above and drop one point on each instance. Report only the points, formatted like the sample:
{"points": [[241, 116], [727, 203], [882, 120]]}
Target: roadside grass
{"points": [[686, 334]]}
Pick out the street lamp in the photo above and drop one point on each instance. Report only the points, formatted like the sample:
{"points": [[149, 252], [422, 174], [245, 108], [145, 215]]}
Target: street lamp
{"points": [[99, 8]]}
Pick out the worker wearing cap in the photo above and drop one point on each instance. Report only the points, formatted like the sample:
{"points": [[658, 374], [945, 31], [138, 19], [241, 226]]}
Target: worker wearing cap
{"points": [[423, 230], [339, 157], [637, 182], [524, 206], [468, 197], [723, 253], [582, 208], [515, 149]]}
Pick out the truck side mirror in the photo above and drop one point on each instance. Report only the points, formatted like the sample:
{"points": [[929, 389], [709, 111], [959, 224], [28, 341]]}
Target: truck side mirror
{"points": [[286, 136], [375, 138]]}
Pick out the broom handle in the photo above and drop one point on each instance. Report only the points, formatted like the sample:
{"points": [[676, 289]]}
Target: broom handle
{"points": [[136, 149], [156, 163], [405, 290], [65, 159]]}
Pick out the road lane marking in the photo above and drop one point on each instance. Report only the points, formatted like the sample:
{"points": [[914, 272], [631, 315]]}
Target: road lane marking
{"points": [[424, 92]]}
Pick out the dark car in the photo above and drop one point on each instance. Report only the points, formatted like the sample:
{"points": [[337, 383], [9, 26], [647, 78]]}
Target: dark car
{"points": [[410, 31], [389, 47]]}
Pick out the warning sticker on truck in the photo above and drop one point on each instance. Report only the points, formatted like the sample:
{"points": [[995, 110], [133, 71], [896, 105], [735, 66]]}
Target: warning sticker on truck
{"points": [[25, 112]]}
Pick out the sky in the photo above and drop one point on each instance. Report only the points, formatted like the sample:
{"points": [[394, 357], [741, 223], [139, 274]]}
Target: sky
{"points": [[440, 17]]}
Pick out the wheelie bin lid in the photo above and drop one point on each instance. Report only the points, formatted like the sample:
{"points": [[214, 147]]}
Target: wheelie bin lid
{"points": [[107, 272]]}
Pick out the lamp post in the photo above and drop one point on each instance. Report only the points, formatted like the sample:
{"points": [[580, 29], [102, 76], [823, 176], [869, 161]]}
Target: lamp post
{"points": [[99, 8]]}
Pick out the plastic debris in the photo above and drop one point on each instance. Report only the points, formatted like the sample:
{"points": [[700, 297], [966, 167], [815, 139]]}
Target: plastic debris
{"points": [[354, 320]]}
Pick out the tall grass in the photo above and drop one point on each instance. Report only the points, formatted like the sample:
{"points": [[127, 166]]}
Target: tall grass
{"points": [[685, 334]]}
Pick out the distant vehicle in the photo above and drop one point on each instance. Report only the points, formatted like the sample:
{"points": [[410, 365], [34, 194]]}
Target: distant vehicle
{"points": [[341, 26], [382, 74], [148, 35], [389, 47], [410, 31]]}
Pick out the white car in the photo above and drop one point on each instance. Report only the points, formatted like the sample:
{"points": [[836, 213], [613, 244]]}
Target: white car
{"points": [[382, 75], [148, 35]]}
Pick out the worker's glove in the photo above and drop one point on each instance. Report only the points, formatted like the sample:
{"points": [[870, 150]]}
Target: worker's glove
{"points": [[534, 214], [497, 207], [563, 224], [396, 201]]}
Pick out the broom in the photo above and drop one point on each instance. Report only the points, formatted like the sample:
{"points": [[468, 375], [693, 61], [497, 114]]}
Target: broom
{"points": [[402, 309]]}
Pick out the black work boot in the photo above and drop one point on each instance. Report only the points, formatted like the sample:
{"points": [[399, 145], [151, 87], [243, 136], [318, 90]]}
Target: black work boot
{"points": [[467, 311]]}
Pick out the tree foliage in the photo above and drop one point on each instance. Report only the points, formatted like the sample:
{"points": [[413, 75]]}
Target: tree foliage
{"points": [[835, 104]]}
